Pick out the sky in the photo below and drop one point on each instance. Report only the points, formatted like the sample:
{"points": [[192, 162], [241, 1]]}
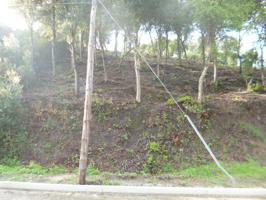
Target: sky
{"points": [[10, 17], [248, 39]]}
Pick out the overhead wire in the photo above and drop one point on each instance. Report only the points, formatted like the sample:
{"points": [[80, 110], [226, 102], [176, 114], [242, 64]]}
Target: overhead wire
{"points": [[194, 127], [48, 4]]}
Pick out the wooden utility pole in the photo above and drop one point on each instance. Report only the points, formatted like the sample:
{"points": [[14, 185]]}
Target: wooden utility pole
{"points": [[83, 162]]}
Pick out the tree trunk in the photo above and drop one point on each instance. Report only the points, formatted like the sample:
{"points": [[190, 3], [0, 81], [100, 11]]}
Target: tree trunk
{"points": [[204, 72], [201, 83], [159, 51], [203, 48], [32, 48], [86, 41], [152, 43], [30, 21], [238, 53], [81, 47], [215, 71], [74, 66], [103, 56], [137, 68], [211, 46], [210, 52], [116, 42], [166, 46], [83, 163], [125, 43], [138, 87], [158, 65], [178, 45], [262, 66], [54, 39], [184, 48]]}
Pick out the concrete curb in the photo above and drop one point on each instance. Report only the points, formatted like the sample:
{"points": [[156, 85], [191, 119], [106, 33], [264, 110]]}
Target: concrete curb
{"points": [[137, 190]]}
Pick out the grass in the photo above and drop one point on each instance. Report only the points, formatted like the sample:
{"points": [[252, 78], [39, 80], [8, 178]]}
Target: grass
{"points": [[93, 171], [251, 130], [246, 174], [250, 169], [32, 168]]}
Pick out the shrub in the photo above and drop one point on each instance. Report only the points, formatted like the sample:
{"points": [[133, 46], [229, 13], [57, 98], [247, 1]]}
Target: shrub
{"points": [[190, 104], [12, 134], [170, 102], [255, 86], [155, 159]]}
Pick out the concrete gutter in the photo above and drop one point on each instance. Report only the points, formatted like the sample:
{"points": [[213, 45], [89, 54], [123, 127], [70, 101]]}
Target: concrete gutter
{"points": [[137, 190]]}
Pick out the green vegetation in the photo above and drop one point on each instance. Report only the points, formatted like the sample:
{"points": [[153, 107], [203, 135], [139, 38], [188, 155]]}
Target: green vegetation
{"points": [[257, 86], [250, 169], [155, 158], [191, 104], [170, 102], [209, 174], [251, 130], [102, 108], [43, 74], [92, 170], [31, 168], [249, 58], [12, 133]]}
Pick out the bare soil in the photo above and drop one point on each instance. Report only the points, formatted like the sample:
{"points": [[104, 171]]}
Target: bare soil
{"points": [[121, 128]]}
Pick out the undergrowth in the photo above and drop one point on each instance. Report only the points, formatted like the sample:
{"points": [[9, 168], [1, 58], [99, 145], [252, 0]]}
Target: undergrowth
{"points": [[251, 130], [188, 102], [31, 168], [250, 169]]}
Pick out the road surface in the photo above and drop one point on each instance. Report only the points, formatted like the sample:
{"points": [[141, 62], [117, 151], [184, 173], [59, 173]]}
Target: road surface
{"points": [[37, 191], [26, 195]]}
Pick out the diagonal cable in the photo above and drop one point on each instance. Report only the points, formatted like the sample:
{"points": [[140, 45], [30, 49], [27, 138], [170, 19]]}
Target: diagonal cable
{"points": [[194, 127]]}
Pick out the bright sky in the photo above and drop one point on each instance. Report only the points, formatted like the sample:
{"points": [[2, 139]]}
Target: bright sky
{"points": [[12, 18], [248, 39]]}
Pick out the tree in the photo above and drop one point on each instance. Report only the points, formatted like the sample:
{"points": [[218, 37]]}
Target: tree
{"points": [[83, 163], [212, 17], [11, 114], [258, 22], [103, 27], [54, 37], [46, 14], [229, 47], [133, 26], [4, 32], [28, 9], [137, 68], [178, 15], [71, 21], [250, 58]]}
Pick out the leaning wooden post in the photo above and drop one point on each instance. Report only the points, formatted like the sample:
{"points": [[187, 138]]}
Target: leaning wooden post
{"points": [[83, 162]]}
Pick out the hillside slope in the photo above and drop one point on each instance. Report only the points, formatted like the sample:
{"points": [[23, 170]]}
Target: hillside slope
{"points": [[152, 135]]}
